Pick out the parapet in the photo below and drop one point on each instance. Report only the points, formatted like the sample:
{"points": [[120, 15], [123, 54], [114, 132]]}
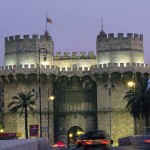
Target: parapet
{"points": [[25, 37], [122, 65], [26, 66], [113, 66], [121, 35], [75, 55], [76, 70]]}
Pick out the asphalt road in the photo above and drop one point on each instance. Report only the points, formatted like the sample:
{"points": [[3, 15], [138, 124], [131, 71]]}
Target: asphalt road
{"points": [[131, 148], [112, 148]]}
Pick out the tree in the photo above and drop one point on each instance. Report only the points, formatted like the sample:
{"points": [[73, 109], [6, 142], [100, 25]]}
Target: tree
{"points": [[22, 102], [138, 100]]}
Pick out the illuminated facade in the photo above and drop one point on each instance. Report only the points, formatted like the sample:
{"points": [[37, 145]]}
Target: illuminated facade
{"points": [[77, 82]]}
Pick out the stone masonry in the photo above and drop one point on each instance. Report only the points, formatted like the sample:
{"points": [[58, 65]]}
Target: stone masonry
{"points": [[77, 82]]}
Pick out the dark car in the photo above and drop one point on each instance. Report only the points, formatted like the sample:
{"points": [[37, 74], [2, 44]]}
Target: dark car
{"points": [[92, 139], [79, 141]]}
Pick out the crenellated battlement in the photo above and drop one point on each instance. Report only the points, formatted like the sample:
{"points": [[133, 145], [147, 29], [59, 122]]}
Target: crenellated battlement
{"points": [[32, 66], [121, 35], [109, 35], [24, 37], [90, 54], [119, 66]]}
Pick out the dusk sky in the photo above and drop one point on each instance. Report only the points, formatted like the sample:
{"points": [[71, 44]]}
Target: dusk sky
{"points": [[76, 23]]}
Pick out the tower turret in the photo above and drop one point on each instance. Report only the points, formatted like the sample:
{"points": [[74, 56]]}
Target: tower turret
{"points": [[119, 49], [25, 51]]}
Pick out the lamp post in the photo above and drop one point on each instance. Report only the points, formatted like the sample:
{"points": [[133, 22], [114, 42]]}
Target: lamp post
{"points": [[44, 54], [109, 87]]}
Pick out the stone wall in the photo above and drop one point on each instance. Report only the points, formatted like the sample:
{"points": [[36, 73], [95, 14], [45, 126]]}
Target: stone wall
{"points": [[22, 80], [15, 123], [120, 56], [78, 62], [120, 119]]}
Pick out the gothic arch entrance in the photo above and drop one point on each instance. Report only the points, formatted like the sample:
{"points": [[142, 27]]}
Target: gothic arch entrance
{"points": [[73, 133]]}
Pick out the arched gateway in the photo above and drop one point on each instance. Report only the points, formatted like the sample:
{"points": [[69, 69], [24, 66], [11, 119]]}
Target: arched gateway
{"points": [[75, 104], [73, 133]]}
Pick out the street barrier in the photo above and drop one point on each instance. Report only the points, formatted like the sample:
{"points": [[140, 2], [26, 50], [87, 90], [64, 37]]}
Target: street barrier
{"points": [[25, 144], [134, 140]]}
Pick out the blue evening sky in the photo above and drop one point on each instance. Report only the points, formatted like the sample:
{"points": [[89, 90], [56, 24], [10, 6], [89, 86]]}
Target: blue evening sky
{"points": [[76, 23]]}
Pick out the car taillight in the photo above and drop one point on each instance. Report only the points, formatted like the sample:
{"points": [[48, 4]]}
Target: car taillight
{"points": [[87, 142], [59, 145], [55, 145], [79, 140], [91, 142], [147, 141], [103, 141]]}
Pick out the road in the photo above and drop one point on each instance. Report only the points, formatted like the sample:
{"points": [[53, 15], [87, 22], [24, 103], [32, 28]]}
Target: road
{"points": [[113, 148], [131, 148]]}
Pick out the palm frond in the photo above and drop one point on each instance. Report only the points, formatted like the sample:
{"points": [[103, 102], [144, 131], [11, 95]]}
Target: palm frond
{"points": [[22, 100], [15, 108], [13, 103], [31, 102], [16, 98], [32, 110], [138, 100]]}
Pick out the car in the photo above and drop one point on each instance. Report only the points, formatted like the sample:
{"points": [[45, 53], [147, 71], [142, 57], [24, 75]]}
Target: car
{"points": [[94, 138], [79, 141]]}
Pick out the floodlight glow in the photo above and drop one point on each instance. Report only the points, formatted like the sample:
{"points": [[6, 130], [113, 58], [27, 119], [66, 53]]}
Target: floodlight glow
{"points": [[131, 84]]}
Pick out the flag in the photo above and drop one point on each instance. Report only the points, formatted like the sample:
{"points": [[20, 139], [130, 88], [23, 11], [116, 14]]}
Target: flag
{"points": [[49, 20]]}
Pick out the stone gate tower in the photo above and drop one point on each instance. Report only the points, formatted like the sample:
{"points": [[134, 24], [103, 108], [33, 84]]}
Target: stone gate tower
{"points": [[78, 82]]}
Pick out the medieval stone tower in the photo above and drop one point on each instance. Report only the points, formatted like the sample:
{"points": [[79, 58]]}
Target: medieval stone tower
{"points": [[119, 49], [82, 101]]}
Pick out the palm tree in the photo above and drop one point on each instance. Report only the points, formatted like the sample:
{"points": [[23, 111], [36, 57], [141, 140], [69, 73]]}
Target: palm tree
{"points": [[138, 101], [22, 102]]}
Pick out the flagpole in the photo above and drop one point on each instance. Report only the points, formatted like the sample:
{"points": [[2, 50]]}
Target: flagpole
{"points": [[46, 20]]}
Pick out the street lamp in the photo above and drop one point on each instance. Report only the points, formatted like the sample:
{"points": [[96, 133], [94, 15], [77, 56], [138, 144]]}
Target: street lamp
{"points": [[51, 97], [109, 87], [44, 54], [1, 130], [132, 84]]}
